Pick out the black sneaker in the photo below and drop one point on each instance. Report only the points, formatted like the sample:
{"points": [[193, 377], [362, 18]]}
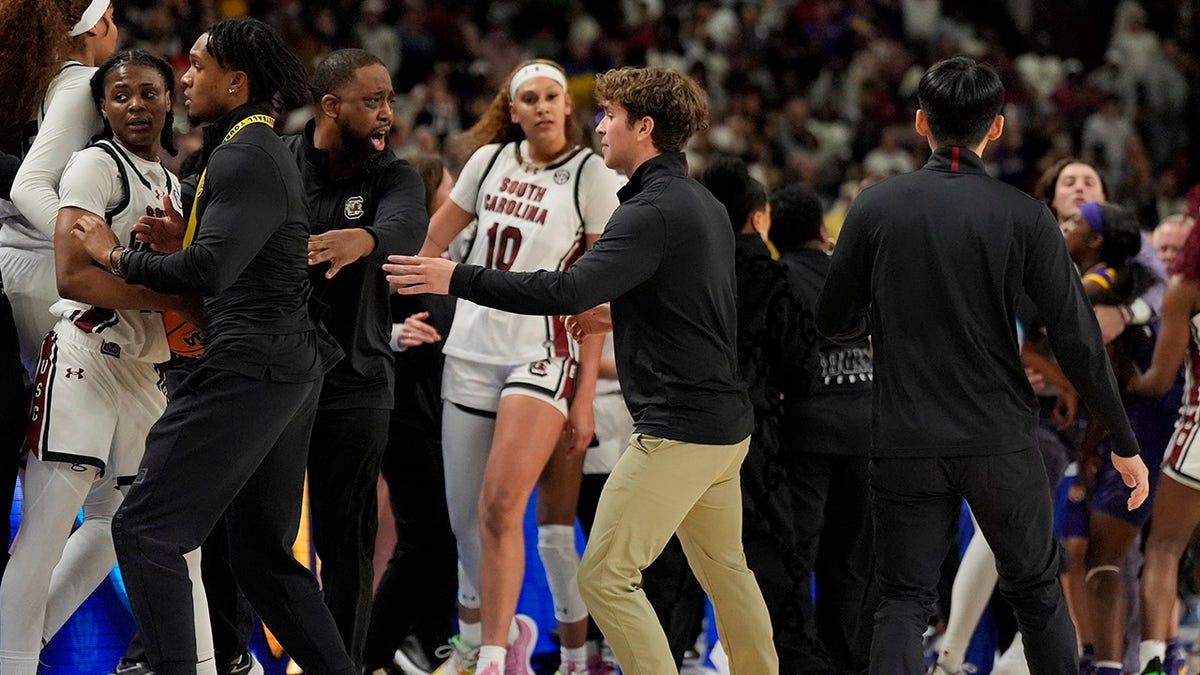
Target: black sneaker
{"points": [[1155, 667], [245, 664], [132, 667], [412, 659]]}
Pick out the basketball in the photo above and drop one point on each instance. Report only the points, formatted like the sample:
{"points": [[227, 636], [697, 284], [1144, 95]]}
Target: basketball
{"points": [[183, 338]]}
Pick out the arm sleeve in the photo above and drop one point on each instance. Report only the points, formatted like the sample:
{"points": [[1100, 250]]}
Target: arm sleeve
{"points": [[628, 253], [400, 218], [70, 122], [238, 219], [90, 182], [597, 194], [465, 192], [1054, 286], [841, 312]]}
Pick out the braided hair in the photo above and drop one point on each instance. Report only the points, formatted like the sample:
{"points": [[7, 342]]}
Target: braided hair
{"points": [[275, 73], [138, 57]]}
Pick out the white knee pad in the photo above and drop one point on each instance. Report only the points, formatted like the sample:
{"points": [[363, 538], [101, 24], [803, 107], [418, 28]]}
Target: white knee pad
{"points": [[556, 545], [468, 593]]}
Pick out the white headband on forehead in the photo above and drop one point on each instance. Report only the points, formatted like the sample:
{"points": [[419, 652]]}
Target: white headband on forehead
{"points": [[535, 70], [91, 16]]}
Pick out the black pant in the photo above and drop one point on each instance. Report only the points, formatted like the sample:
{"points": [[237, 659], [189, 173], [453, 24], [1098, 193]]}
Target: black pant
{"points": [[229, 613], [343, 473], [416, 595], [234, 445], [14, 413], [916, 506], [832, 499]]}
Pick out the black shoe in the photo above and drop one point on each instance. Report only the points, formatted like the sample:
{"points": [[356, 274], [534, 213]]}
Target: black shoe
{"points": [[1155, 667], [131, 667], [412, 659], [245, 664]]}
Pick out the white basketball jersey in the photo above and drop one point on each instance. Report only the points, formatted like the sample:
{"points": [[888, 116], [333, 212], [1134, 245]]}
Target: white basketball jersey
{"points": [[109, 180], [528, 219]]}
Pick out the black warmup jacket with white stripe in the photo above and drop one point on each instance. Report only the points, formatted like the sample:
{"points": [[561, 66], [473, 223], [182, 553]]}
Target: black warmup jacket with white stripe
{"points": [[932, 264]]}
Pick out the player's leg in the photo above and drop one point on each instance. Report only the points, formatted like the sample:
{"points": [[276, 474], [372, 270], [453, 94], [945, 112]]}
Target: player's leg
{"points": [[558, 497], [527, 429]]}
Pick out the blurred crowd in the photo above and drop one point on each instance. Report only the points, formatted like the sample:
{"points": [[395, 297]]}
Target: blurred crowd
{"points": [[816, 91]]}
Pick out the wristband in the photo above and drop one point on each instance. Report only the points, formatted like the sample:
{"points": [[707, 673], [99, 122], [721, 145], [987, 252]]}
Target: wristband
{"points": [[117, 266], [1141, 312]]}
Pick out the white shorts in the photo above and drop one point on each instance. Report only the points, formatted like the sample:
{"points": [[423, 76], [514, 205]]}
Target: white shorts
{"points": [[30, 286], [614, 428], [480, 386], [93, 409], [1181, 461]]}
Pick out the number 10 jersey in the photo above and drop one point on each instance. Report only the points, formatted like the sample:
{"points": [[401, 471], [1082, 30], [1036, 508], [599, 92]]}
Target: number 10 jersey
{"points": [[528, 218]]}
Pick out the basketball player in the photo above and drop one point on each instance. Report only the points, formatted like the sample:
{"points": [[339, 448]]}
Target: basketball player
{"points": [[98, 388], [540, 199]]}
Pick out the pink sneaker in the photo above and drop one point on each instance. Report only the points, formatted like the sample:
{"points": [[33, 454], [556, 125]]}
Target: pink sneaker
{"points": [[598, 665], [520, 651]]}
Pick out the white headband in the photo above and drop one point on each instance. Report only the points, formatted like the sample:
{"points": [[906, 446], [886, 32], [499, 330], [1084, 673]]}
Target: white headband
{"points": [[91, 16], [535, 70]]}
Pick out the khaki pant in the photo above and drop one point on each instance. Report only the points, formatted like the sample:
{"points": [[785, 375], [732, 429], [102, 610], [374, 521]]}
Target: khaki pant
{"points": [[658, 488]]}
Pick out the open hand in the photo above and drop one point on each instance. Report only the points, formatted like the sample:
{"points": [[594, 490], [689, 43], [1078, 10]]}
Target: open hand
{"points": [[412, 275], [339, 248], [597, 320]]}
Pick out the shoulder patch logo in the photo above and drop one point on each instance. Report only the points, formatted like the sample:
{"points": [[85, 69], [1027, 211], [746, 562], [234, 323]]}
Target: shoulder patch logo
{"points": [[354, 208], [561, 176]]}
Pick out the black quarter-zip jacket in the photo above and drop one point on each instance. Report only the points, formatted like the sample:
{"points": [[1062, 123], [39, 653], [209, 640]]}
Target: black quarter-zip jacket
{"points": [[665, 261], [937, 259], [388, 202], [249, 257]]}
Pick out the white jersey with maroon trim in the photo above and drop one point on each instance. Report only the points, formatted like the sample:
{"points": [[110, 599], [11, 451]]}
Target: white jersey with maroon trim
{"points": [[107, 179], [530, 217], [1182, 460]]}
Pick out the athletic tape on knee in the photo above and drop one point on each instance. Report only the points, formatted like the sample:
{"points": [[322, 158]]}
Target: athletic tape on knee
{"points": [[556, 545], [1101, 568], [468, 594]]}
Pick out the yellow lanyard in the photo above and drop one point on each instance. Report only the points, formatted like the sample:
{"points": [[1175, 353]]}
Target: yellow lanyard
{"points": [[190, 233]]}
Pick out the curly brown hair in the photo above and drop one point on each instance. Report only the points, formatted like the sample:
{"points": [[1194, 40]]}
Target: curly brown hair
{"points": [[673, 100], [33, 30], [495, 125]]}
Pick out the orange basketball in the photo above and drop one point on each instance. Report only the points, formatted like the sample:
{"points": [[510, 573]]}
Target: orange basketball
{"points": [[183, 338]]}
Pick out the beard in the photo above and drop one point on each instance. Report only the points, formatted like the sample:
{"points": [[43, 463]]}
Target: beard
{"points": [[360, 154]]}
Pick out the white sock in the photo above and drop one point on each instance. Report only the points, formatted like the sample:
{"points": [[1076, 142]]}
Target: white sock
{"points": [[489, 654], [1113, 665], [1151, 649], [574, 655], [514, 631], [471, 632]]}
